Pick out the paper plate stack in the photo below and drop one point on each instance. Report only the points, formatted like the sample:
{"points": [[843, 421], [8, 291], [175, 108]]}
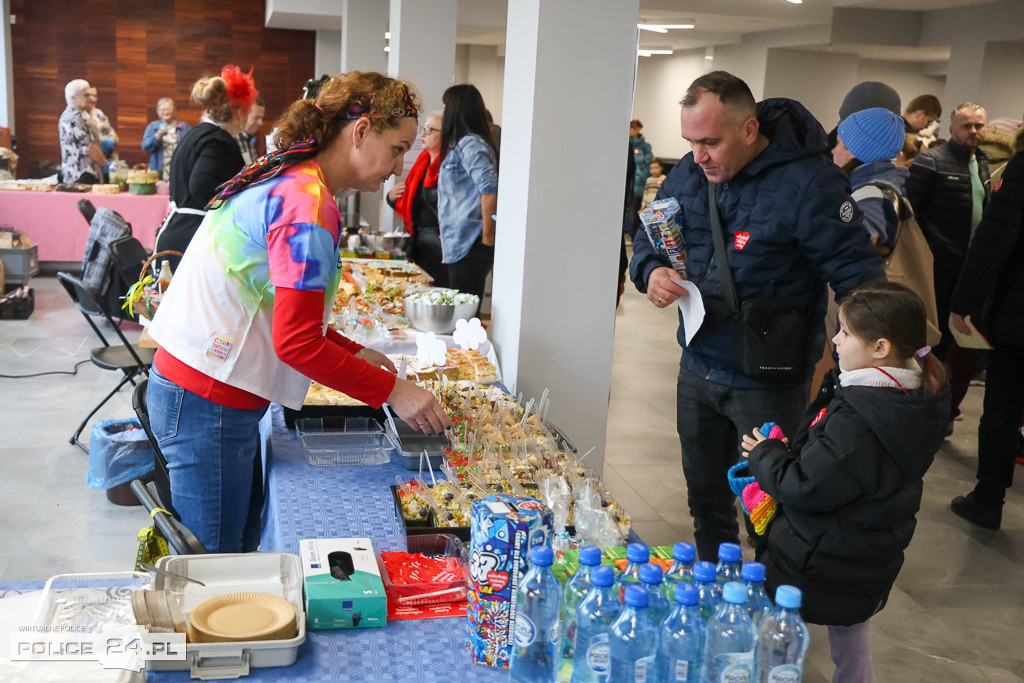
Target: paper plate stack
{"points": [[236, 617]]}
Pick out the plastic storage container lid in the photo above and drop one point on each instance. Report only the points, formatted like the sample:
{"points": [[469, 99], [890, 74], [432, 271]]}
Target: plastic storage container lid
{"points": [[602, 576], [788, 597], [636, 596], [684, 552], [704, 571], [542, 556], [729, 552], [752, 571], [590, 555], [687, 594], [638, 552], [734, 592], [651, 573]]}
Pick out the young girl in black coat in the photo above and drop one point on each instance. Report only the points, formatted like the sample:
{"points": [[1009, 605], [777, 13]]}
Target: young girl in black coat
{"points": [[849, 486]]}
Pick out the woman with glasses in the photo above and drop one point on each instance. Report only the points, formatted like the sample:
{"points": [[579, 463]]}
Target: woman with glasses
{"points": [[467, 189], [415, 201]]}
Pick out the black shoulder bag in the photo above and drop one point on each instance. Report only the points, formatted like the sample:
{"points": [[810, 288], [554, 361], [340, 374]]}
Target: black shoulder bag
{"points": [[772, 334]]}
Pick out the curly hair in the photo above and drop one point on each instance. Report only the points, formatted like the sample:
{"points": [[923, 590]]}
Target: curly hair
{"points": [[384, 101]]}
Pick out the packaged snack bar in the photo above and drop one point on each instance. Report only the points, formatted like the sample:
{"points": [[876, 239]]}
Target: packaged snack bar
{"points": [[663, 221]]}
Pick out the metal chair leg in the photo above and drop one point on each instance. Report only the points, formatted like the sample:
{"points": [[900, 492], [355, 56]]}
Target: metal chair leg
{"points": [[78, 432]]}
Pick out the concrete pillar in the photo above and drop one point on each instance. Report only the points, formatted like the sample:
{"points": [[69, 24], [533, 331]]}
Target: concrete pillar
{"points": [[568, 96], [423, 52], [363, 23]]}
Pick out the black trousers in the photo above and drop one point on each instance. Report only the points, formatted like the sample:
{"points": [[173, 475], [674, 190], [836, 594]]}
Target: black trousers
{"points": [[470, 273], [711, 419], [1000, 422]]}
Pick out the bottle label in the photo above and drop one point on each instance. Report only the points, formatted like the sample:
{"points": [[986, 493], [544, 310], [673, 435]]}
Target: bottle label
{"points": [[555, 632], [682, 670], [736, 667], [598, 654], [785, 673], [524, 631], [643, 668]]}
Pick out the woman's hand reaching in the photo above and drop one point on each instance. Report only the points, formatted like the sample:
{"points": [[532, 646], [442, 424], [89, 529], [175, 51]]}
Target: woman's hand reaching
{"points": [[418, 407]]}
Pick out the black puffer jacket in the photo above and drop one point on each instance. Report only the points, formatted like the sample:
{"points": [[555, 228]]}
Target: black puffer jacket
{"points": [[995, 262], [939, 189], [848, 492]]}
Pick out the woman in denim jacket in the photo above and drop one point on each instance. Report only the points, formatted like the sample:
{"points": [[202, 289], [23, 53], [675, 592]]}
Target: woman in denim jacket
{"points": [[467, 189]]}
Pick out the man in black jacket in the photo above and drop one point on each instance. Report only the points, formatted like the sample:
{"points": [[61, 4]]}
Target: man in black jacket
{"points": [[948, 188]]}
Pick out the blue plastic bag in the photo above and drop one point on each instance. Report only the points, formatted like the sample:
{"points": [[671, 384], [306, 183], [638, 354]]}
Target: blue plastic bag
{"points": [[118, 452]]}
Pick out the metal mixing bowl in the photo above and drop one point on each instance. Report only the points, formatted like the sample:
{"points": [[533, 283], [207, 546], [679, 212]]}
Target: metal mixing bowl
{"points": [[437, 318], [384, 242]]}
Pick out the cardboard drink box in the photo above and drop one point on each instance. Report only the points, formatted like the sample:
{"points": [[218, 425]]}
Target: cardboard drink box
{"points": [[343, 584]]}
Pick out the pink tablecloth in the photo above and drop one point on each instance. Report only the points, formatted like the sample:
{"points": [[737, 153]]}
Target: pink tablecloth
{"points": [[52, 219]]}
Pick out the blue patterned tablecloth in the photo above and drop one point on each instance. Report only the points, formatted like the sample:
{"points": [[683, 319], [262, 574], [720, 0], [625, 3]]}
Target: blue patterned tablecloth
{"points": [[304, 501]]}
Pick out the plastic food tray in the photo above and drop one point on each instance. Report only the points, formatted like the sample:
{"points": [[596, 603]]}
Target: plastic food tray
{"points": [[431, 545], [275, 573], [410, 444], [332, 441]]}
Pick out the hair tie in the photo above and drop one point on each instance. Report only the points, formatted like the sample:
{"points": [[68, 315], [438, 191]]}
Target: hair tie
{"points": [[318, 107], [923, 351]]}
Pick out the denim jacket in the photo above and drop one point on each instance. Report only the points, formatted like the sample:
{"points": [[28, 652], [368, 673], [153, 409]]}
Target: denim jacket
{"points": [[469, 170]]}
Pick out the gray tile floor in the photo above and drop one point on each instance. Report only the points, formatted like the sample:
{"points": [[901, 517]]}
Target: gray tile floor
{"points": [[955, 614]]}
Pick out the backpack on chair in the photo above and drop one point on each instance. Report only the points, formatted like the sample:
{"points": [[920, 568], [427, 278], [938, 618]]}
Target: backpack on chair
{"points": [[98, 263]]}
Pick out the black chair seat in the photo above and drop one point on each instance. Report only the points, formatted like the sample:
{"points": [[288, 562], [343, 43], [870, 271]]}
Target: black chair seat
{"points": [[120, 358]]}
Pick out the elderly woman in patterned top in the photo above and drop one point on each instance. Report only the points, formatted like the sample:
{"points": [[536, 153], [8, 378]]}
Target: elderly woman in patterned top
{"points": [[80, 142]]}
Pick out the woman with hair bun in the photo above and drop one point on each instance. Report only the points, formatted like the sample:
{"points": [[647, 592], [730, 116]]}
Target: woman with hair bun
{"points": [[208, 155], [244, 322]]}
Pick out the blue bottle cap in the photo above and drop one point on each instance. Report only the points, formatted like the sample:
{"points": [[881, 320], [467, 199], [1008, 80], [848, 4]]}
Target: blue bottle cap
{"points": [[734, 592], [602, 576], [542, 556], [687, 594], [788, 597], [590, 556], [752, 571], [636, 596], [729, 552], [651, 573], [684, 552], [704, 571], [638, 552]]}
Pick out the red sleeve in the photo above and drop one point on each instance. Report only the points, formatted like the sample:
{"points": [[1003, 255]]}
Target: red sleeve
{"points": [[299, 341]]}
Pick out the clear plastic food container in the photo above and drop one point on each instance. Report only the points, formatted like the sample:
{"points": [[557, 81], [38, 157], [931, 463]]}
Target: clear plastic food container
{"points": [[330, 441]]}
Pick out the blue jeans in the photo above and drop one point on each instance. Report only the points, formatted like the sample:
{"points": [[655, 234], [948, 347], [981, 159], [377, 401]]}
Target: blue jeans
{"points": [[710, 419], [213, 460]]}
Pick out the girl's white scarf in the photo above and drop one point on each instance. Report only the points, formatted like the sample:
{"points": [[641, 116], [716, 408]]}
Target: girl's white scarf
{"points": [[909, 377]]}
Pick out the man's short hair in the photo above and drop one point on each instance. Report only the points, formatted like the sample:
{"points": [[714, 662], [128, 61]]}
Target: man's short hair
{"points": [[259, 102], [929, 104], [731, 90], [972, 106]]}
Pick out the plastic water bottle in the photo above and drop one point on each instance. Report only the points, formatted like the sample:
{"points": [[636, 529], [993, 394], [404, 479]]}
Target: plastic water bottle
{"points": [[637, 555], [538, 627], [594, 618], [633, 641], [729, 556], [758, 602], [729, 642], [657, 604], [707, 588], [681, 571], [782, 640], [576, 589], [681, 639]]}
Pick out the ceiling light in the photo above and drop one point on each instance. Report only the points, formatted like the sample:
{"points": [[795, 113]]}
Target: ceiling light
{"points": [[665, 28], [648, 53], [796, 2], [387, 35], [387, 49]]}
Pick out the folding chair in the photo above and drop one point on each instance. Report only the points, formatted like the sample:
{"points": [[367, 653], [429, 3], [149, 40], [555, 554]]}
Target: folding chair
{"points": [[131, 360], [160, 484]]}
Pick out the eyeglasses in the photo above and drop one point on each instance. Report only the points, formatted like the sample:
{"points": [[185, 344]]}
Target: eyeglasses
{"points": [[426, 130]]}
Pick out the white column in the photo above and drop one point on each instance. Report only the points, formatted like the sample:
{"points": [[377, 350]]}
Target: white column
{"points": [[569, 70], [363, 23], [327, 59], [6, 69], [423, 52]]}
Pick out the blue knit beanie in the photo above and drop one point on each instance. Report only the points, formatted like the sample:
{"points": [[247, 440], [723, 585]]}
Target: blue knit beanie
{"points": [[873, 134]]}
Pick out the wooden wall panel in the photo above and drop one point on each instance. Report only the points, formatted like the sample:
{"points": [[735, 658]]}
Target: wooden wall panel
{"points": [[137, 52]]}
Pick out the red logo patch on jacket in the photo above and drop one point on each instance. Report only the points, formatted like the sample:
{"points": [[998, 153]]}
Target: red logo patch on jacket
{"points": [[999, 183], [740, 239], [817, 418]]}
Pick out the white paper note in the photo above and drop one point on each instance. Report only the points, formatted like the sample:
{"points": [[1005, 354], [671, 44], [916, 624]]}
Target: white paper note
{"points": [[692, 307]]}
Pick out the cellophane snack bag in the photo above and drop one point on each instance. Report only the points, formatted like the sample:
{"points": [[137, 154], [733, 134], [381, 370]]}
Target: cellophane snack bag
{"points": [[663, 221]]}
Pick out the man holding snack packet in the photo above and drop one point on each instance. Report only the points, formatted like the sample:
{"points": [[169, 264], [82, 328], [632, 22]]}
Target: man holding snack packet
{"points": [[787, 225]]}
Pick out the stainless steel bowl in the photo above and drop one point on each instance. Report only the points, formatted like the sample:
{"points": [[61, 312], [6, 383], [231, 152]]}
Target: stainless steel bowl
{"points": [[384, 242], [437, 318]]}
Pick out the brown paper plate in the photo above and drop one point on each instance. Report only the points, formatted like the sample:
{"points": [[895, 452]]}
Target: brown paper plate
{"points": [[242, 616]]}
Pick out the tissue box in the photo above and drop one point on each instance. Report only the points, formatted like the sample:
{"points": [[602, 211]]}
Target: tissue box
{"points": [[503, 530], [343, 584]]}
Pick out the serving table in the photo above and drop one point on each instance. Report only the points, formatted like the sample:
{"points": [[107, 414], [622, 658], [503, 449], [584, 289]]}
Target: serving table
{"points": [[53, 222]]}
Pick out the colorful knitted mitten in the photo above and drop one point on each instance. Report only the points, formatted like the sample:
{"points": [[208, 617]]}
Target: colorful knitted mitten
{"points": [[759, 505]]}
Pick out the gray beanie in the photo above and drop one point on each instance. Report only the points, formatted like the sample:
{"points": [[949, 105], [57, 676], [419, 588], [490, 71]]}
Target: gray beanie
{"points": [[867, 95]]}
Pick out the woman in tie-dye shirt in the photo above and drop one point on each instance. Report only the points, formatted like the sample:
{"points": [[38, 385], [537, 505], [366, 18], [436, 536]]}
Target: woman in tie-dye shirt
{"points": [[244, 322]]}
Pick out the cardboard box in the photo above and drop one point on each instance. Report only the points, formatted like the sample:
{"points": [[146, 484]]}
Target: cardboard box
{"points": [[343, 584]]}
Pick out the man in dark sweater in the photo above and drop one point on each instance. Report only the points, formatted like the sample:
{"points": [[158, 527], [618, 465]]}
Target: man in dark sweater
{"points": [[948, 188], [921, 112]]}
